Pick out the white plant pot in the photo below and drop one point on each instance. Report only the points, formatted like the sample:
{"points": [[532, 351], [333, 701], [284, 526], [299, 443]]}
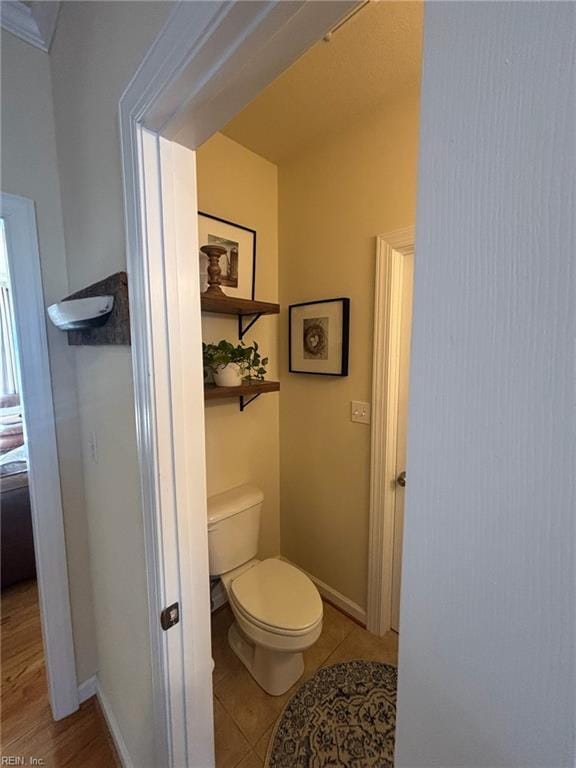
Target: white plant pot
{"points": [[228, 376]]}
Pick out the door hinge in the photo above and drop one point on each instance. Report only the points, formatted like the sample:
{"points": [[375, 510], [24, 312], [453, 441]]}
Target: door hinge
{"points": [[170, 616]]}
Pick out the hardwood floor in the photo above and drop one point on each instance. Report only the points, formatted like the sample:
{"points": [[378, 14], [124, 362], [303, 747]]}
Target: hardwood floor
{"points": [[28, 730]]}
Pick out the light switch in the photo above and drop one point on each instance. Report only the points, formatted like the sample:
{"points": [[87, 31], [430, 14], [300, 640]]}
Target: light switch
{"points": [[93, 447], [360, 412]]}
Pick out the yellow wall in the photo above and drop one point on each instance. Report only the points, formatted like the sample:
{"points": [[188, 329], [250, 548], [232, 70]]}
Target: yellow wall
{"points": [[333, 201], [240, 186], [29, 168]]}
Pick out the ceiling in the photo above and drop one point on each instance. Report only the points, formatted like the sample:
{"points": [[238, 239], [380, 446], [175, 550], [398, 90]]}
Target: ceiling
{"points": [[34, 21], [372, 59]]}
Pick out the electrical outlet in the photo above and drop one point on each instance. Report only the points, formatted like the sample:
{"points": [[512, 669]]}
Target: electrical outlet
{"points": [[360, 412]]}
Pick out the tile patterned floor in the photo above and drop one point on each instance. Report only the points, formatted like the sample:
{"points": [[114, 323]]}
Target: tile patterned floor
{"points": [[244, 716]]}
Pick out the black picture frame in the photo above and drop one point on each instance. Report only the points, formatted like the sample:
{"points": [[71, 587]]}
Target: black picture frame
{"points": [[344, 342], [242, 228]]}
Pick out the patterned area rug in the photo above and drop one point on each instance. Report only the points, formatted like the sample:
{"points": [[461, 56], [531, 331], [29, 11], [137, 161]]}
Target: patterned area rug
{"points": [[343, 717]]}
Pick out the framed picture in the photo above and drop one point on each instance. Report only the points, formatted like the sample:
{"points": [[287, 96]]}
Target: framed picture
{"points": [[318, 337], [238, 264]]}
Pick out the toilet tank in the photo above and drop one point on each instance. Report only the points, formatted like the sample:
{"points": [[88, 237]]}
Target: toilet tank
{"points": [[233, 526]]}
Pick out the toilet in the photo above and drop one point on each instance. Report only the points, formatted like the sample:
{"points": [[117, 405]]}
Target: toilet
{"points": [[277, 608]]}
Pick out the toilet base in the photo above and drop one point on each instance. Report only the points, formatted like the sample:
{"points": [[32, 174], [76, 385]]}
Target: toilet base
{"points": [[274, 671]]}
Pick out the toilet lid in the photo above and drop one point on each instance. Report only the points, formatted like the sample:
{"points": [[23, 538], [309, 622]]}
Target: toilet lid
{"points": [[278, 595]]}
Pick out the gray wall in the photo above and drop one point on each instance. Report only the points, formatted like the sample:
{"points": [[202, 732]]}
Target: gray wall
{"points": [[29, 168], [487, 648], [97, 48]]}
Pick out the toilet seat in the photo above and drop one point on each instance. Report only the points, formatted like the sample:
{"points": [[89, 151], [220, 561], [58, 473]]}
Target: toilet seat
{"points": [[278, 598], [247, 619]]}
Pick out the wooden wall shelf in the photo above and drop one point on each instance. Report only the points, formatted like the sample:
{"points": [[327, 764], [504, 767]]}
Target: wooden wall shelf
{"points": [[229, 305], [246, 392], [242, 308]]}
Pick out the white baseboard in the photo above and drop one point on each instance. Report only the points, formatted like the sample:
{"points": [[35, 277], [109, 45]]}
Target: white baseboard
{"points": [[113, 728], [332, 596], [87, 689], [91, 687]]}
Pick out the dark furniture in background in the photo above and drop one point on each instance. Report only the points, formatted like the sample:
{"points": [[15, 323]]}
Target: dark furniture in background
{"points": [[17, 562], [17, 540]]}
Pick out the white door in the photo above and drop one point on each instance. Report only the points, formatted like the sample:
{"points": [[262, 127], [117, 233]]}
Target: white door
{"points": [[403, 382]]}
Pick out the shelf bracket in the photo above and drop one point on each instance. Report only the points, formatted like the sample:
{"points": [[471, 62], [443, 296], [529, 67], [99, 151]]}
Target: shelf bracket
{"points": [[243, 329], [245, 403]]}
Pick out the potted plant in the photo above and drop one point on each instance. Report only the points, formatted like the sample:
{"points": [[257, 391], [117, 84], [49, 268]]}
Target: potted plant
{"points": [[231, 365]]}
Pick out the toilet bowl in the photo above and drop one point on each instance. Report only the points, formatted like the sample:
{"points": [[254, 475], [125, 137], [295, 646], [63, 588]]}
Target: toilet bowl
{"points": [[277, 608], [278, 614]]}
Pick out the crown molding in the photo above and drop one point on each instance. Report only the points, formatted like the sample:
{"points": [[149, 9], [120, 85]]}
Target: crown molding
{"points": [[35, 22]]}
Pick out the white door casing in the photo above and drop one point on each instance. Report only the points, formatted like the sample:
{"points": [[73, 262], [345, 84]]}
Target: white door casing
{"points": [[392, 250], [208, 62], [402, 433], [40, 434], [168, 175]]}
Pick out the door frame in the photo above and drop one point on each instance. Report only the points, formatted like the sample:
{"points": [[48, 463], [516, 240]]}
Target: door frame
{"points": [[207, 63], [391, 250], [40, 433]]}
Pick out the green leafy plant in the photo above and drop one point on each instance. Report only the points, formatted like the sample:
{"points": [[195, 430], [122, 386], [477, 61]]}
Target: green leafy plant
{"points": [[248, 358]]}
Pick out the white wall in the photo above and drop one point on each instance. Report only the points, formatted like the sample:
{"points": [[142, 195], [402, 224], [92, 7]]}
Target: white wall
{"points": [[487, 619], [29, 168], [97, 48]]}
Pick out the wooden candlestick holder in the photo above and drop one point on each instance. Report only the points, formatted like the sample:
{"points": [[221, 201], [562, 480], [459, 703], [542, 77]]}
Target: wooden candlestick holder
{"points": [[213, 252]]}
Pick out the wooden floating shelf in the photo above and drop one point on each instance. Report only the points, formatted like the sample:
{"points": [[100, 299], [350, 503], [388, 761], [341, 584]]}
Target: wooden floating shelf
{"points": [[212, 392], [241, 308], [246, 393], [229, 305]]}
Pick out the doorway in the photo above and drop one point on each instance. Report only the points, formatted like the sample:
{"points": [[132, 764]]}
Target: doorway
{"points": [[316, 515], [390, 384], [32, 524], [160, 187]]}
